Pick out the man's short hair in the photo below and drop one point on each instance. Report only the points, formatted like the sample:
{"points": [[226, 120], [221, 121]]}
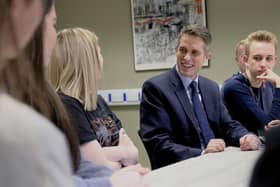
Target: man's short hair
{"points": [[261, 36], [241, 42], [198, 31]]}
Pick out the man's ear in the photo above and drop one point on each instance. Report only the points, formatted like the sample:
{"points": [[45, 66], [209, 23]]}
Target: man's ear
{"points": [[276, 60], [209, 55], [245, 59]]}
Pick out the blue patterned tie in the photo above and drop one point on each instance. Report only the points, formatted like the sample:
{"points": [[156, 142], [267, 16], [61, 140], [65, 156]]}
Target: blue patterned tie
{"points": [[200, 114]]}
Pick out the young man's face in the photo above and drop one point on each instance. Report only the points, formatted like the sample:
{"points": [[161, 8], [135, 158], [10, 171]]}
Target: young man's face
{"points": [[191, 54], [262, 56]]}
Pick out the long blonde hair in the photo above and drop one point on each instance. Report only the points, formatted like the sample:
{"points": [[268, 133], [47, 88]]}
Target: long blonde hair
{"points": [[75, 65]]}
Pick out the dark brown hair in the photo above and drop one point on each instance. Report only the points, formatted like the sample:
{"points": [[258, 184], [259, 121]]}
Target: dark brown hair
{"points": [[198, 31], [4, 6], [24, 79]]}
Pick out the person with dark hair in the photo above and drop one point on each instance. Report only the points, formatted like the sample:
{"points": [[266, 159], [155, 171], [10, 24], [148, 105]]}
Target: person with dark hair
{"points": [[32, 149], [182, 113], [265, 171]]}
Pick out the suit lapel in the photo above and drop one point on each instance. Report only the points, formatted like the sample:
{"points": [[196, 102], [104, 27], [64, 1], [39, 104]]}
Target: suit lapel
{"points": [[183, 98]]}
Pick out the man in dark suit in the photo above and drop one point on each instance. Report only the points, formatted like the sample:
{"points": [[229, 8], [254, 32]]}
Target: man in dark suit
{"points": [[182, 114]]}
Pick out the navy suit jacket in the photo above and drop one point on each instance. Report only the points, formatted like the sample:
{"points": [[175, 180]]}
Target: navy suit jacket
{"points": [[168, 126]]}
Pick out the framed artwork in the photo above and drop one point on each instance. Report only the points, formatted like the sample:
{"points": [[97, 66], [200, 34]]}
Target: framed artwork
{"points": [[156, 25]]}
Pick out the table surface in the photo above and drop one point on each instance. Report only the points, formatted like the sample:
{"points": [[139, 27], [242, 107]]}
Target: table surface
{"points": [[224, 169]]}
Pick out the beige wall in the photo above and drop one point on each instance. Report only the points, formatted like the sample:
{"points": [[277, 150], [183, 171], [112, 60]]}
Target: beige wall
{"points": [[228, 20]]}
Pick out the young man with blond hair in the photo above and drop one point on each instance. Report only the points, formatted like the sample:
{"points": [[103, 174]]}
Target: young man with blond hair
{"points": [[253, 98]]}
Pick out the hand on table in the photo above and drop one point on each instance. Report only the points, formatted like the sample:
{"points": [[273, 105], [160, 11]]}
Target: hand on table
{"points": [[215, 145], [249, 142]]}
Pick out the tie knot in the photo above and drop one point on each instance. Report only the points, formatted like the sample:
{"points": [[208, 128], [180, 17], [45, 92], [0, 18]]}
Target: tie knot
{"points": [[193, 86]]}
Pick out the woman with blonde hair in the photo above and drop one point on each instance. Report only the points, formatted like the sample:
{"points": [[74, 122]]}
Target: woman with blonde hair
{"points": [[75, 70], [30, 142]]}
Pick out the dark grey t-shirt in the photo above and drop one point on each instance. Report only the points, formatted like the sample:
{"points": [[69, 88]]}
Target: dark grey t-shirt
{"points": [[100, 124]]}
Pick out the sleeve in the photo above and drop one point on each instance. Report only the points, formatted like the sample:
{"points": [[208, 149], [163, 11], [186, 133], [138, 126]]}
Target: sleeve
{"points": [[156, 129], [243, 107], [92, 182], [90, 174], [104, 106], [88, 169], [79, 118], [232, 129]]}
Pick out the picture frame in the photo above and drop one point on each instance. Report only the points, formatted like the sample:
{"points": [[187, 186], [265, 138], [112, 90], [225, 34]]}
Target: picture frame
{"points": [[156, 25]]}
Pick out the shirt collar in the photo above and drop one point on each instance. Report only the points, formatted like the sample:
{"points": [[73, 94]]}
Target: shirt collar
{"points": [[186, 80]]}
